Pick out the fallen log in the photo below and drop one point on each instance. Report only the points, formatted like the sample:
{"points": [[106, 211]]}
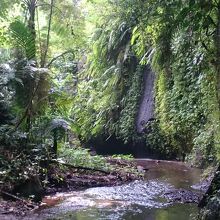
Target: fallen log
{"points": [[79, 167]]}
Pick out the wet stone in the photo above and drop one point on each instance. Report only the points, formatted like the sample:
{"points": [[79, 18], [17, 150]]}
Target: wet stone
{"points": [[182, 196]]}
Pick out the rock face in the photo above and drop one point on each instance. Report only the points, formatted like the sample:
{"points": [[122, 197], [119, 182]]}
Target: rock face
{"points": [[146, 109], [210, 203]]}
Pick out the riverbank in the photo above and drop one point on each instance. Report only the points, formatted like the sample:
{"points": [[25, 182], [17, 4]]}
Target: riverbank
{"points": [[210, 203], [167, 185], [67, 178], [167, 192]]}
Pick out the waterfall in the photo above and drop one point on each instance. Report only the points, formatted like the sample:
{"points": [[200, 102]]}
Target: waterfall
{"points": [[146, 108]]}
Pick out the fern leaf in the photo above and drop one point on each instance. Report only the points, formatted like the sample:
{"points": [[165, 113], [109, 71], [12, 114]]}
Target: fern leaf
{"points": [[23, 38]]}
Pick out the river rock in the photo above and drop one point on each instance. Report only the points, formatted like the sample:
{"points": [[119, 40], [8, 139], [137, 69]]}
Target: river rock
{"points": [[210, 203], [182, 196]]}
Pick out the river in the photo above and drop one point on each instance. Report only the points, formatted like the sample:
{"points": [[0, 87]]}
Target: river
{"points": [[147, 199]]}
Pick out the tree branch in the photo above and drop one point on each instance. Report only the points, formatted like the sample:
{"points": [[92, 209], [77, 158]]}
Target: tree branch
{"points": [[46, 4], [55, 58], [212, 21]]}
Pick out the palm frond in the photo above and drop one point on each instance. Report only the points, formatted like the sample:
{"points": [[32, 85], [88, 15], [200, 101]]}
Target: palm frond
{"points": [[23, 38]]}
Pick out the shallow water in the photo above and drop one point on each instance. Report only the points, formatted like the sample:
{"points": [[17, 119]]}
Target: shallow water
{"points": [[139, 200]]}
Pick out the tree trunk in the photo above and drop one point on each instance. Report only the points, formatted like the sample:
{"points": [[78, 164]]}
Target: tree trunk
{"points": [[31, 5], [55, 144], [44, 56]]}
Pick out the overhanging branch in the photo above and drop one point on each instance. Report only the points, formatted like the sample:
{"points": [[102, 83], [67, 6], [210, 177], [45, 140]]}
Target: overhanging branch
{"points": [[57, 57]]}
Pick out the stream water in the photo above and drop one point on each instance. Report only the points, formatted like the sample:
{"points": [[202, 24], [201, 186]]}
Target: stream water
{"points": [[139, 200]]}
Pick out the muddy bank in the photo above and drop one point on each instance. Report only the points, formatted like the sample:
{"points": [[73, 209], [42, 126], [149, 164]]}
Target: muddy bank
{"points": [[75, 178], [11, 209], [67, 178]]}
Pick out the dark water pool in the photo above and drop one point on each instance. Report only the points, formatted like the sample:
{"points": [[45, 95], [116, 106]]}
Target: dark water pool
{"points": [[139, 200]]}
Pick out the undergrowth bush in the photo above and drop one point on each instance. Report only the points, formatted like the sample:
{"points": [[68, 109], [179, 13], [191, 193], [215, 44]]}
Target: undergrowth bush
{"points": [[82, 157]]}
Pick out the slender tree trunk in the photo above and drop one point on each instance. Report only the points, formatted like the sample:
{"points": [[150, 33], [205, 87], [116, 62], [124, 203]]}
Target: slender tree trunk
{"points": [[55, 144], [31, 5], [44, 57]]}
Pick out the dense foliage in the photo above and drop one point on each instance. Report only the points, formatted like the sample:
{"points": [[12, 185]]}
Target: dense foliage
{"points": [[67, 83], [184, 56]]}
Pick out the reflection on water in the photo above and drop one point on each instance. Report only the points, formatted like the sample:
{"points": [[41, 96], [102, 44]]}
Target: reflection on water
{"points": [[175, 212], [176, 173], [140, 200]]}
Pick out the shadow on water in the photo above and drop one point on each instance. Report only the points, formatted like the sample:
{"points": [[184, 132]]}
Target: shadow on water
{"points": [[139, 200]]}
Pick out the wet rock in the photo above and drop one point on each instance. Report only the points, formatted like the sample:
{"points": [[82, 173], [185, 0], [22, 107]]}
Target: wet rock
{"points": [[210, 202], [141, 169], [212, 209], [146, 110], [182, 196]]}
